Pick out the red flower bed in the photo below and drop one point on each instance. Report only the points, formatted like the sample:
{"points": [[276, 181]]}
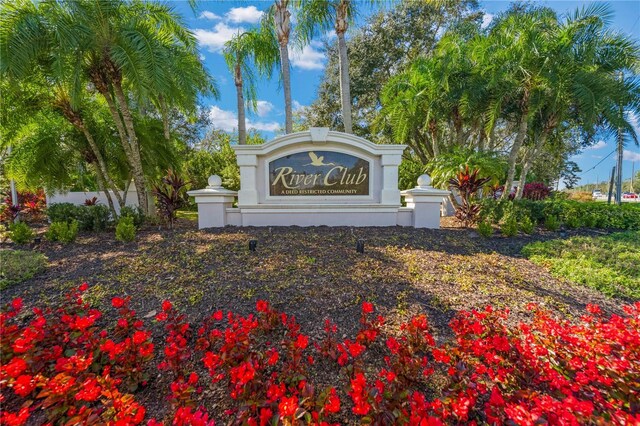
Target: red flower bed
{"points": [[548, 371]]}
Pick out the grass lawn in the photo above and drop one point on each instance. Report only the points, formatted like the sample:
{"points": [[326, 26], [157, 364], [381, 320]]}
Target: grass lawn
{"points": [[610, 263], [19, 265]]}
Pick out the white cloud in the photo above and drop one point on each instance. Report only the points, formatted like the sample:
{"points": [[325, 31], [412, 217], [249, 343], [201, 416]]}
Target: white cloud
{"points": [[264, 108], [487, 18], [309, 58], [598, 145], [330, 35], [228, 121], [630, 155], [202, 58], [214, 40], [209, 15], [297, 106], [249, 14], [597, 157]]}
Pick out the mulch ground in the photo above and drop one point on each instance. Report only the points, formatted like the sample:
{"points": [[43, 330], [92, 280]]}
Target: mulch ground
{"points": [[312, 273]]}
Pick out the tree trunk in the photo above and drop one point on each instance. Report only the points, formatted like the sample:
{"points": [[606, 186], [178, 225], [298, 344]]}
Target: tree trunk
{"points": [[101, 186], [99, 79], [102, 170], [136, 161], [242, 123], [345, 86], [165, 118], [76, 120], [513, 155], [528, 162], [283, 28]]}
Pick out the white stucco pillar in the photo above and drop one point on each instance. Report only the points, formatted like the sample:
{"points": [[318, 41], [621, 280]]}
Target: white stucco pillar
{"points": [[213, 202], [248, 193], [425, 201], [390, 193]]}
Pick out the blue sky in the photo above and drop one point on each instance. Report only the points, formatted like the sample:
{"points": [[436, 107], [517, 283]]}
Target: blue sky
{"points": [[216, 21]]}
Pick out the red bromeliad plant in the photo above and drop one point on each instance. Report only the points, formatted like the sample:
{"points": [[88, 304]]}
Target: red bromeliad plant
{"points": [[547, 371], [467, 183]]}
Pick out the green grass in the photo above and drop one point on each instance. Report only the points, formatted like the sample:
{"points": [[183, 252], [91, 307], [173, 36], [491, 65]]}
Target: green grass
{"points": [[19, 265], [186, 214], [610, 264]]}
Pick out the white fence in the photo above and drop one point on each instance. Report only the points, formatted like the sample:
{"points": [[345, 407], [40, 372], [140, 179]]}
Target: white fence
{"points": [[78, 198]]}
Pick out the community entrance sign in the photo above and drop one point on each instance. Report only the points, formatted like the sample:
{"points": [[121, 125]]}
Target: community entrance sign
{"points": [[319, 173], [318, 177]]}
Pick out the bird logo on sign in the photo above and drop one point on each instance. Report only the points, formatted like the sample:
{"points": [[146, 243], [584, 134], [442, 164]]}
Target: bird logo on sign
{"points": [[317, 161]]}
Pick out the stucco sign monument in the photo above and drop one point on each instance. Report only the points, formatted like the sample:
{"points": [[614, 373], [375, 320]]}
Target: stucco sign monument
{"points": [[318, 177]]}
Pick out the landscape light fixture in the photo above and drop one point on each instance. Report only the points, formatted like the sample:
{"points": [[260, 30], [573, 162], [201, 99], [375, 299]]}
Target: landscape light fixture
{"points": [[360, 246], [253, 244]]}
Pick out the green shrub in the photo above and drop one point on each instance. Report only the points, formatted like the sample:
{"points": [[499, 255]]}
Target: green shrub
{"points": [[134, 212], [65, 232], [509, 227], [63, 212], [94, 218], [125, 230], [552, 223], [485, 228], [19, 265], [573, 221], [526, 225], [575, 214], [610, 263], [20, 233]]}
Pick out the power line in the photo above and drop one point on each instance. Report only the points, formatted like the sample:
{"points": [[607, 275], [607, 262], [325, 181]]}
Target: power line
{"points": [[597, 164]]}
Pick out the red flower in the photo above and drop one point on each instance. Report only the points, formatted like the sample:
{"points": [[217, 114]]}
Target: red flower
{"points": [[355, 349], [11, 419], [117, 302], [265, 416], [218, 315], [273, 357], [193, 379], [84, 287], [166, 305], [15, 367], [262, 306], [16, 304], [367, 307], [24, 385], [302, 341], [332, 405], [140, 337], [288, 406], [89, 391]]}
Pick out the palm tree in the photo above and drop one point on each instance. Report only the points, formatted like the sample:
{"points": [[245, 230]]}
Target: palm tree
{"points": [[583, 88], [255, 48], [282, 21], [135, 54], [319, 16], [513, 61]]}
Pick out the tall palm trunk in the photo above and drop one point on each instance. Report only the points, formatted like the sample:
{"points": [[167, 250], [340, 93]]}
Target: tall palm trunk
{"points": [[345, 87], [103, 188], [513, 155], [135, 161], [101, 83], [281, 18], [242, 124], [165, 118]]}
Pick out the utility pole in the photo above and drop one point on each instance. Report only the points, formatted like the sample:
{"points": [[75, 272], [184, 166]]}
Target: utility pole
{"points": [[620, 152]]}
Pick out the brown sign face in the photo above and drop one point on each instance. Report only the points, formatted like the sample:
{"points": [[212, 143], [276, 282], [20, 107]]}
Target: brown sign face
{"points": [[319, 173]]}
